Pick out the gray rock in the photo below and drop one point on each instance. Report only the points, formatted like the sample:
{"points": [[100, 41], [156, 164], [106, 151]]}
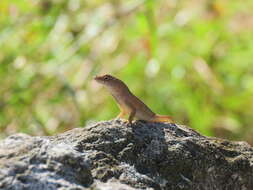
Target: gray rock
{"points": [[113, 155]]}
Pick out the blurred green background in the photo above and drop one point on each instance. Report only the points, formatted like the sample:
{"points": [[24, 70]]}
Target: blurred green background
{"points": [[192, 59]]}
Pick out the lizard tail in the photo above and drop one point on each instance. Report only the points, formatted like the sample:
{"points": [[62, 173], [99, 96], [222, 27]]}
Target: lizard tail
{"points": [[163, 118]]}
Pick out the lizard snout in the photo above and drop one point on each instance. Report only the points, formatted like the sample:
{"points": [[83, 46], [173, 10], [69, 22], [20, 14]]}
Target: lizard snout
{"points": [[98, 78]]}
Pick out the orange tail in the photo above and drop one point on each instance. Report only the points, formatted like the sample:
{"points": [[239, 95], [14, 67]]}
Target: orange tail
{"points": [[163, 118]]}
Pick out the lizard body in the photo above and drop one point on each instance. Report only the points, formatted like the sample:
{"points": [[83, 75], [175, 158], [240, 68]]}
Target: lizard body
{"points": [[128, 102]]}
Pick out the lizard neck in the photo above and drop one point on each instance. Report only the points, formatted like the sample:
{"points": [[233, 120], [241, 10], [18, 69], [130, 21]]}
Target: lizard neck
{"points": [[119, 90]]}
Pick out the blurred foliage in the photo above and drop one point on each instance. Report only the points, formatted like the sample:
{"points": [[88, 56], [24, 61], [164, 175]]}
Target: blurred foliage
{"points": [[191, 59]]}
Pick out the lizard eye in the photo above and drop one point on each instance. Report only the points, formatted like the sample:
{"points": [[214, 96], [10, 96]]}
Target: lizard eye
{"points": [[106, 78]]}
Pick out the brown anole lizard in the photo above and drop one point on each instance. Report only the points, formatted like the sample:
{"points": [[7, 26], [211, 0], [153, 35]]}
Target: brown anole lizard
{"points": [[129, 103]]}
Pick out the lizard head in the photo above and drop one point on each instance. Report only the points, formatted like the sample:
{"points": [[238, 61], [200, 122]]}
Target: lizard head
{"points": [[106, 80], [112, 83]]}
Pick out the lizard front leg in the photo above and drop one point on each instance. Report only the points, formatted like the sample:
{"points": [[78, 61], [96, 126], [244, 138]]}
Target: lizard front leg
{"points": [[121, 114], [132, 114]]}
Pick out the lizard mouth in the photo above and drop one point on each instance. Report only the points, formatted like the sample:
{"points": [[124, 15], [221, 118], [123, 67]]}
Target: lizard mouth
{"points": [[98, 78]]}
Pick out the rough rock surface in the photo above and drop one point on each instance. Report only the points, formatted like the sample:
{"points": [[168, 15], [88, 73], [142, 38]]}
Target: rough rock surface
{"points": [[114, 155]]}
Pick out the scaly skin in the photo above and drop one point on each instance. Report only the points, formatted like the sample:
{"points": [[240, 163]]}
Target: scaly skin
{"points": [[128, 103]]}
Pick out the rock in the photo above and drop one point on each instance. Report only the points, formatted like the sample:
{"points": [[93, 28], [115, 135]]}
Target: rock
{"points": [[114, 155]]}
